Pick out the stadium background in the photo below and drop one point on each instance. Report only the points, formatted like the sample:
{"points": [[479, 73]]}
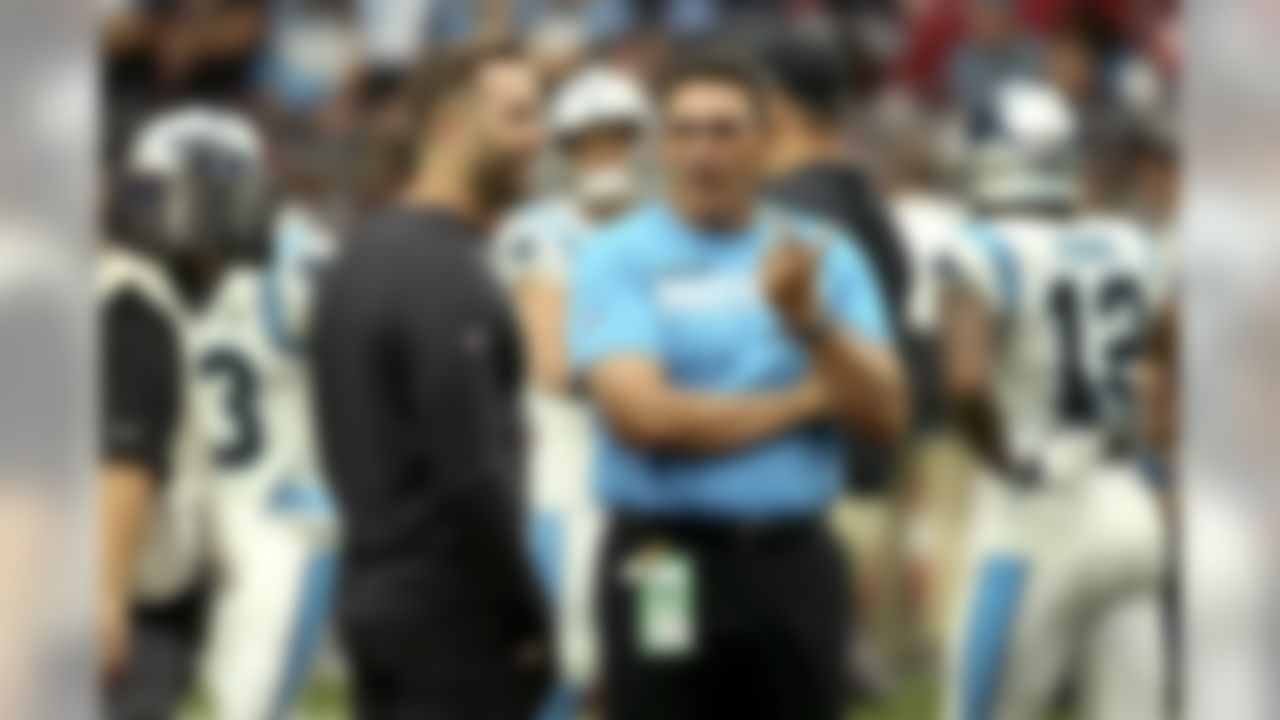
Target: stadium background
{"points": [[324, 79]]}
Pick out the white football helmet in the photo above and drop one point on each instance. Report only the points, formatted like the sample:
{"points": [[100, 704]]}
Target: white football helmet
{"points": [[1023, 149], [197, 184]]}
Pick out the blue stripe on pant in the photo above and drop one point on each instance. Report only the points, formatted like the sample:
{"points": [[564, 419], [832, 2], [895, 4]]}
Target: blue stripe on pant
{"points": [[549, 547], [305, 502], [1000, 588], [316, 602]]}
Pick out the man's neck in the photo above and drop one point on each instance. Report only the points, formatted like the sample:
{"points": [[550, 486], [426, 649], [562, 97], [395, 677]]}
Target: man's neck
{"points": [[797, 149], [440, 187], [599, 213], [729, 220]]}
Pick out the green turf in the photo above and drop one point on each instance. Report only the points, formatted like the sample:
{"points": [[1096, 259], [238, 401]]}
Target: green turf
{"points": [[328, 701], [323, 701], [915, 700]]}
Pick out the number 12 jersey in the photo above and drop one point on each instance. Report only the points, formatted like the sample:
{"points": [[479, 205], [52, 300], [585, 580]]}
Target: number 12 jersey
{"points": [[1072, 300]]}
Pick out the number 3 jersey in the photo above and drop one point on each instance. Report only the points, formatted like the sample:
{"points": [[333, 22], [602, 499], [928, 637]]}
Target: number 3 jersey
{"points": [[1072, 300], [274, 529], [249, 376]]}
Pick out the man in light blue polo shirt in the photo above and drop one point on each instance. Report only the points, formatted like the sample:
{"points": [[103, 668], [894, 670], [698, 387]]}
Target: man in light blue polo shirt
{"points": [[726, 344]]}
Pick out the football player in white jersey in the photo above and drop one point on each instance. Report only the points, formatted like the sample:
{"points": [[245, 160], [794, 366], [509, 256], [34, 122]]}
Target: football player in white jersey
{"points": [[246, 399], [599, 119], [1044, 312], [273, 524]]}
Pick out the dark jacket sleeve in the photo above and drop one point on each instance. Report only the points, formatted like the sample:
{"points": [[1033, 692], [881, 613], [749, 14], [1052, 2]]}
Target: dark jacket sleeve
{"points": [[888, 253], [847, 198], [467, 420], [139, 371]]}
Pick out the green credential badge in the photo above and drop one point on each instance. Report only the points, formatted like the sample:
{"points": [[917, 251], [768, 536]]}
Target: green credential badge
{"points": [[666, 605]]}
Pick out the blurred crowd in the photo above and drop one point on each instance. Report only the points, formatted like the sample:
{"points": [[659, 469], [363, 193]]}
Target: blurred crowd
{"points": [[324, 76]]}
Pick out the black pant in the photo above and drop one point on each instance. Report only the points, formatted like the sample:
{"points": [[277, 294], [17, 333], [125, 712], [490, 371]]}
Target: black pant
{"points": [[771, 613], [165, 643], [383, 693], [404, 669]]}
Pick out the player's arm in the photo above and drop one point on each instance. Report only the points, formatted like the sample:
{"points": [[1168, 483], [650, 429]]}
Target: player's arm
{"points": [[1156, 376], [540, 305], [867, 391], [140, 407], [644, 410], [968, 341], [126, 497], [978, 282], [846, 333], [533, 264]]}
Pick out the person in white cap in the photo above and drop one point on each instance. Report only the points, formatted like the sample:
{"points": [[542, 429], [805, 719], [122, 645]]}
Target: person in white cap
{"points": [[599, 120]]}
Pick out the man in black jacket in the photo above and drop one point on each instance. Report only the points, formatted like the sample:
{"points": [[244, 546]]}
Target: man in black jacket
{"points": [[418, 367], [813, 172]]}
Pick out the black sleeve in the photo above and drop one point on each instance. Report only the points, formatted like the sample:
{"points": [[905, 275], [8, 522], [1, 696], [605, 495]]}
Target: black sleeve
{"points": [[139, 359], [848, 199], [888, 253], [468, 424]]}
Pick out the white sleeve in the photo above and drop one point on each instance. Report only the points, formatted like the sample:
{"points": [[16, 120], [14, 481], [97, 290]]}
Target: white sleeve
{"points": [[527, 248], [299, 255], [1151, 260], [978, 259]]}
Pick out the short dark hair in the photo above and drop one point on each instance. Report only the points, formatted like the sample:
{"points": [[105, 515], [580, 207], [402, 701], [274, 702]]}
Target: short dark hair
{"points": [[811, 72], [713, 66], [442, 75]]}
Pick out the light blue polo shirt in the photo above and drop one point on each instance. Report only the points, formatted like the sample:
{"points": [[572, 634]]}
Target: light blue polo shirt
{"points": [[651, 285]]}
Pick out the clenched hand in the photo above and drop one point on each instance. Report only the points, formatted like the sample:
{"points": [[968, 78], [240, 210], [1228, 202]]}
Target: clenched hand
{"points": [[789, 276]]}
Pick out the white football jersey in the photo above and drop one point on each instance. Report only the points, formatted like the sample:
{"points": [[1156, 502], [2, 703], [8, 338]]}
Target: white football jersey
{"points": [[540, 242], [928, 223], [1073, 299], [249, 375]]}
